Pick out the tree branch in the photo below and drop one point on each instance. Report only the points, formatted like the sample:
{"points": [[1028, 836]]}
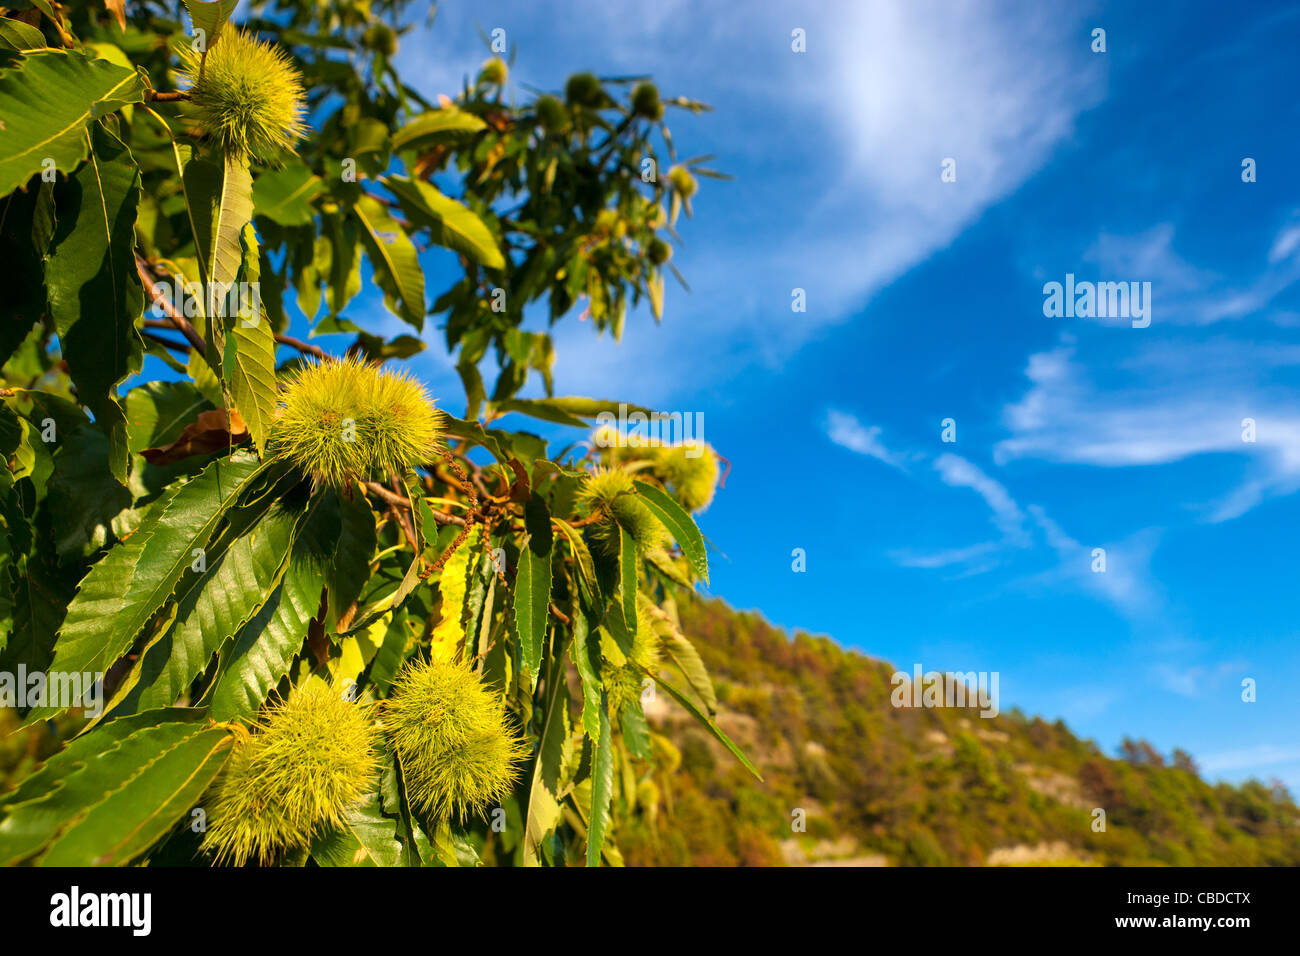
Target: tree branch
{"points": [[158, 298]]}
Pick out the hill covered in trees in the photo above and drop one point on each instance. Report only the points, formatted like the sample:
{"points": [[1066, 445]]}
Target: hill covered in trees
{"points": [[916, 786]]}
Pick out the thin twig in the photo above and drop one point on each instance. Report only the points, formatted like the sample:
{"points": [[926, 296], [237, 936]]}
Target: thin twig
{"points": [[169, 343], [302, 346], [159, 298], [400, 501]]}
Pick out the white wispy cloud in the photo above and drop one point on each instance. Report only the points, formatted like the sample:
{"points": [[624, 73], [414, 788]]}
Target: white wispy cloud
{"points": [[1170, 401], [1196, 679], [943, 559], [959, 473], [1126, 581], [846, 431], [1183, 293], [1245, 758]]}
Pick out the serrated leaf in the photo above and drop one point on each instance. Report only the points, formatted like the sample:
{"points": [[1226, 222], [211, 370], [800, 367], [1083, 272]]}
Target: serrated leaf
{"points": [[95, 295], [450, 223], [393, 260], [248, 362], [602, 789], [131, 819], [48, 101], [284, 195], [636, 733], [77, 751], [210, 16], [265, 647], [16, 35], [688, 661], [532, 592], [586, 658], [436, 126], [545, 409], [543, 806], [31, 824], [679, 523], [212, 605], [127, 587], [695, 712], [627, 577], [367, 838]]}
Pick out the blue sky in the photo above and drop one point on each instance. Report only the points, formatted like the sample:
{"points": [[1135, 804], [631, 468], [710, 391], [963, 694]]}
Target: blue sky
{"points": [[925, 302]]}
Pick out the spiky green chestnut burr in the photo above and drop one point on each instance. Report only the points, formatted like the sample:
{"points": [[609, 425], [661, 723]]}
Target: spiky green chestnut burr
{"points": [[246, 95], [493, 72], [457, 751], [347, 419], [659, 251], [691, 470], [646, 102], [610, 497], [622, 678], [380, 38], [683, 181], [309, 760], [584, 89], [551, 114]]}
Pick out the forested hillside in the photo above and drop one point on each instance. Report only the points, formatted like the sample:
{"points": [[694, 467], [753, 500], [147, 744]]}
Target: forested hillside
{"points": [[917, 786]]}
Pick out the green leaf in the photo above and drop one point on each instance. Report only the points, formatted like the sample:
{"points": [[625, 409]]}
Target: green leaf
{"points": [[156, 412], [394, 261], [77, 751], [367, 838], [48, 102], [212, 605], [544, 409], [129, 584], [532, 596], [26, 225], [543, 806], [82, 494], [451, 848], [586, 658], [627, 575], [221, 201], [416, 849], [680, 524], [695, 712], [210, 17], [248, 361], [435, 127], [40, 597], [284, 195], [593, 407], [688, 661], [265, 647], [16, 35], [602, 789], [94, 292], [474, 432], [133, 818], [636, 733], [349, 549], [88, 779], [233, 211], [450, 224]]}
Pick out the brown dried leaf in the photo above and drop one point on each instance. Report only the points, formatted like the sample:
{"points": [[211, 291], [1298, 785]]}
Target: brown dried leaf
{"points": [[211, 431]]}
